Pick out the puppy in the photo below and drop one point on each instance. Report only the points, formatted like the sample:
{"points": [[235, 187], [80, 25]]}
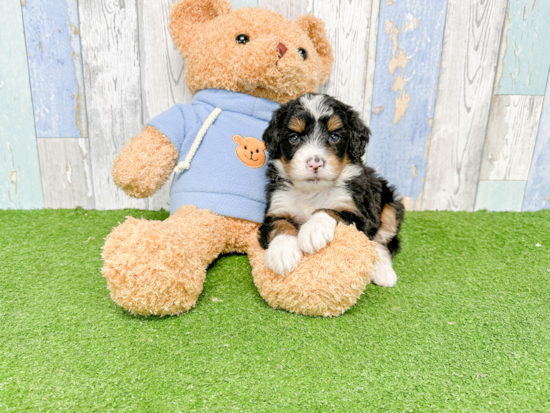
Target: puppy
{"points": [[317, 179]]}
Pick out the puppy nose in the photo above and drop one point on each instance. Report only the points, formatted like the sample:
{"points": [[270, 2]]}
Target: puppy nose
{"points": [[282, 49], [314, 164]]}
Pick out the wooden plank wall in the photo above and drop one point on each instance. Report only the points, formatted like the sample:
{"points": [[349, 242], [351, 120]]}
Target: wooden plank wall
{"points": [[456, 93]]}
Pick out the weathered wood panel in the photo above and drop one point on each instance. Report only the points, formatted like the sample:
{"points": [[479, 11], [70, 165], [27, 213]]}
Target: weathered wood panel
{"points": [[410, 39], [66, 172], [291, 9], [347, 23], [237, 4], [20, 185], [511, 136], [525, 51], [537, 192], [110, 48], [468, 65], [500, 195], [53, 47], [371, 61], [162, 70]]}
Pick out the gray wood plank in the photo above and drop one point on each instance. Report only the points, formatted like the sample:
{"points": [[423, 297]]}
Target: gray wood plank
{"points": [[468, 64], [347, 24], [162, 69], [110, 50], [511, 137], [291, 9], [66, 172]]}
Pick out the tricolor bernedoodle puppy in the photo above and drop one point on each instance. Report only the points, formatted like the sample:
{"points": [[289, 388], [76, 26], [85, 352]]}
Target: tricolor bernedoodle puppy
{"points": [[317, 179]]}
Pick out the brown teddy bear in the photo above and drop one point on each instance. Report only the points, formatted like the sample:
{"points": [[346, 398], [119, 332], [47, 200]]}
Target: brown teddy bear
{"points": [[240, 66]]}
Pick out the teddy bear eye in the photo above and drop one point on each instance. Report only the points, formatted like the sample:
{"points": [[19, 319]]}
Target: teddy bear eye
{"points": [[303, 53], [245, 147], [242, 38]]}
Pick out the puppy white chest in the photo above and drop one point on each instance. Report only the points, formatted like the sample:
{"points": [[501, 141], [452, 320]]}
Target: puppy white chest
{"points": [[300, 205]]}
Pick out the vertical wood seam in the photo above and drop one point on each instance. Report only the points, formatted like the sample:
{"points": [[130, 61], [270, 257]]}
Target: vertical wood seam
{"points": [[32, 105]]}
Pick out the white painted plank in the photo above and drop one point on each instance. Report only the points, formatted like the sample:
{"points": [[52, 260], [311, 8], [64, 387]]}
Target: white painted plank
{"points": [[347, 24], [537, 192], [371, 60], [20, 185], [237, 4], [511, 137], [468, 63], [500, 195], [291, 9], [110, 50], [162, 70], [66, 172]]}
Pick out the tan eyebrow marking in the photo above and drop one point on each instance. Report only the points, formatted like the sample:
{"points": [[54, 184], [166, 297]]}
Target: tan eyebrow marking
{"points": [[297, 124], [334, 123]]}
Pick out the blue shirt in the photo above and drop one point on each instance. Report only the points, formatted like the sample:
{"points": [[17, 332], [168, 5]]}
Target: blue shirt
{"points": [[218, 179]]}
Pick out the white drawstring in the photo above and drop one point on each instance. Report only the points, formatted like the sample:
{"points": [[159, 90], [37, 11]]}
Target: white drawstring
{"points": [[186, 163]]}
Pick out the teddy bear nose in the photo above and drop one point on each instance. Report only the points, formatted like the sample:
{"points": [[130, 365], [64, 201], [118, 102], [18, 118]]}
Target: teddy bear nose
{"points": [[282, 50]]}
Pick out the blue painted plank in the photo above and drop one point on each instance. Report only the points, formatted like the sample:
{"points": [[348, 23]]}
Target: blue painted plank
{"points": [[20, 185], [53, 46], [237, 4], [410, 39], [500, 195], [537, 193], [525, 49]]}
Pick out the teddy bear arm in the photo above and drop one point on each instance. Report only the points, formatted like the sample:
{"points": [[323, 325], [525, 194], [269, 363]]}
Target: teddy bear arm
{"points": [[145, 163]]}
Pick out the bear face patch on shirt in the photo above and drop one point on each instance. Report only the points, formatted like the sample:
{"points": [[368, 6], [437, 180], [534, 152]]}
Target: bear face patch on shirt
{"points": [[250, 151]]}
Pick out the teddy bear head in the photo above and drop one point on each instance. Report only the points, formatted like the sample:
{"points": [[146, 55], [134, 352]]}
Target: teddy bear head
{"points": [[250, 50]]}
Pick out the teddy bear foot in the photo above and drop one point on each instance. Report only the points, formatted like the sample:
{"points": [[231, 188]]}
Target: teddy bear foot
{"points": [[151, 269], [326, 283]]}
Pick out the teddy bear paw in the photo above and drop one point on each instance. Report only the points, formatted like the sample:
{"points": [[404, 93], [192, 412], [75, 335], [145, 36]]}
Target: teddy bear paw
{"points": [[283, 254], [316, 233]]}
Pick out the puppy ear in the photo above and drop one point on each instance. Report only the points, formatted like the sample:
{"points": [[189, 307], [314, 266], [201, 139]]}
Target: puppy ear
{"points": [[187, 17], [360, 136], [272, 135], [315, 29]]}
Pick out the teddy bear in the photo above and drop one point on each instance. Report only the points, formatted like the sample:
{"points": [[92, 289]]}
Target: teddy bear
{"points": [[240, 66]]}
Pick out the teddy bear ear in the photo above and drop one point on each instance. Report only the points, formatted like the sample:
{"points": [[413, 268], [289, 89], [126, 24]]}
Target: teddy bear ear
{"points": [[238, 138], [187, 16], [315, 29]]}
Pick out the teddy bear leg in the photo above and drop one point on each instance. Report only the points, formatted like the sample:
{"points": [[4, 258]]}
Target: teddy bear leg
{"points": [[326, 283], [154, 267]]}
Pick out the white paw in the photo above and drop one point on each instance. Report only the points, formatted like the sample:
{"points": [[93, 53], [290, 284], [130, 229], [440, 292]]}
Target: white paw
{"points": [[316, 233], [383, 273], [283, 254]]}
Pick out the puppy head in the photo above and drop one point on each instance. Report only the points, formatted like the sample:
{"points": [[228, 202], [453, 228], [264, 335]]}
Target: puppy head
{"points": [[312, 139]]}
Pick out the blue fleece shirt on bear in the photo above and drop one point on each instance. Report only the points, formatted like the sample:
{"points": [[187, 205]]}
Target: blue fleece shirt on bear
{"points": [[218, 179]]}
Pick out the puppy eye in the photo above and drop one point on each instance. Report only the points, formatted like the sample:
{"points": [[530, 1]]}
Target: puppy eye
{"points": [[294, 139], [334, 138], [242, 38], [303, 53]]}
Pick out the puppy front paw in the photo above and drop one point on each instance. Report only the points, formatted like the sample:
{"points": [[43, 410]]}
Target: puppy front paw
{"points": [[283, 254], [317, 232], [383, 273]]}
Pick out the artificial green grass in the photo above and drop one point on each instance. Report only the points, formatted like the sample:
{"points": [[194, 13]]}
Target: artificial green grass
{"points": [[467, 327]]}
